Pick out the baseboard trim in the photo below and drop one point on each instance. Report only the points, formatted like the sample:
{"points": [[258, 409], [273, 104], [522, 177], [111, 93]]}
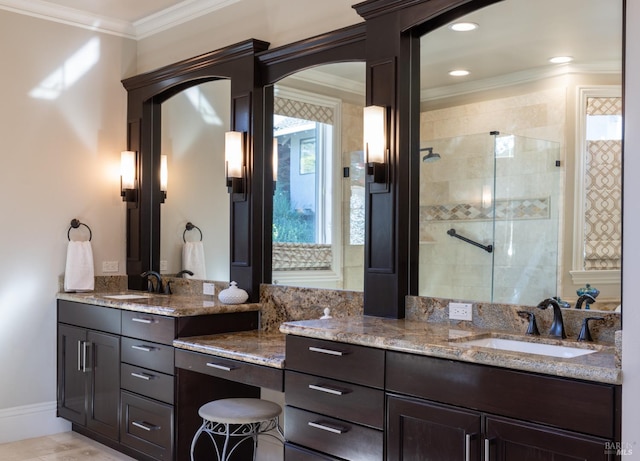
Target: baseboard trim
{"points": [[28, 421]]}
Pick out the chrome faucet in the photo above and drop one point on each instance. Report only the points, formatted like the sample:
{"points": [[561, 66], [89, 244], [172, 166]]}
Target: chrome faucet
{"points": [[586, 297], [557, 327], [150, 287]]}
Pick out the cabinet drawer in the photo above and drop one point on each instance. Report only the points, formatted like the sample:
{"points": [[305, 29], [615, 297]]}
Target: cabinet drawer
{"points": [[345, 362], [342, 400], [150, 327], [89, 316], [149, 383], [332, 436], [566, 403], [149, 355], [147, 426], [294, 453], [233, 370]]}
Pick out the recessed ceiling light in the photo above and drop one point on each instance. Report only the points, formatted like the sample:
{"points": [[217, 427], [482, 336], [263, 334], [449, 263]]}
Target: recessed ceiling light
{"points": [[459, 73], [560, 59], [463, 26]]}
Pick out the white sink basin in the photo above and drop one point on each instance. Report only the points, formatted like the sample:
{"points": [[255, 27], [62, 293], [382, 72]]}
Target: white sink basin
{"points": [[551, 350], [128, 296]]}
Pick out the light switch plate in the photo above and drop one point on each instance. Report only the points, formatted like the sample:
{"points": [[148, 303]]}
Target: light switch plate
{"points": [[460, 311], [109, 266], [163, 265]]}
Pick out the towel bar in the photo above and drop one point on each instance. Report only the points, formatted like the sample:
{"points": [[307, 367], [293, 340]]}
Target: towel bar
{"points": [[74, 225], [188, 227]]}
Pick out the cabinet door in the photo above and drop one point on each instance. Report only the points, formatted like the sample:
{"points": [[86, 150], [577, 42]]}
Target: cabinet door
{"points": [[103, 370], [71, 377], [507, 440], [421, 430]]}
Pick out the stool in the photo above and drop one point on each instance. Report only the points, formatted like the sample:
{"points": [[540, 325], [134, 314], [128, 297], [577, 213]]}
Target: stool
{"points": [[250, 418]]}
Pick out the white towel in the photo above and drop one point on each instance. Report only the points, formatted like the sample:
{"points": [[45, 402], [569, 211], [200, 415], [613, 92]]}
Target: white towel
{"points": [[193, 260], [78, 274]]}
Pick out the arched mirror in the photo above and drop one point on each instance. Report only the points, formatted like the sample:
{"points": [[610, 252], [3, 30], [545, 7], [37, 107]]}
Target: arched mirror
{"points": [[194, 218], [520, 154], [318, 202]]}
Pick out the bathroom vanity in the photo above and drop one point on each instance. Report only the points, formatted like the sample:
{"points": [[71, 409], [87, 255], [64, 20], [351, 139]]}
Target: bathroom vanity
{"points": [[117, 381], [427, 393]]}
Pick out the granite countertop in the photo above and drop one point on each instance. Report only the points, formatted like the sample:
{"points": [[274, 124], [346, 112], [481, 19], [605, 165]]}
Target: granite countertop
{"points": [[443, 341], [151, 303], [254, 346]]}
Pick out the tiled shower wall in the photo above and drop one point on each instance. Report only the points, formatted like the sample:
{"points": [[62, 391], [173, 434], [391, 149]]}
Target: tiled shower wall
{"points": [[453, 188]]}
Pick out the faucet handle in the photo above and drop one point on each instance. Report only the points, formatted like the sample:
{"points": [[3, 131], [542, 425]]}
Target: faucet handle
{"points": [[585, 334], [532, 329]]}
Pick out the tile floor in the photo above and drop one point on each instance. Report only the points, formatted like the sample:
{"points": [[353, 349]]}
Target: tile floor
{"points": [[67, 446]]}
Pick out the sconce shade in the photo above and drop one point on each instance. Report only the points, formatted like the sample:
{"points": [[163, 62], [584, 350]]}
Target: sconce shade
{"points": [[275, 160], [128, 170], [375, 143], [164, 176], [234, 153]]}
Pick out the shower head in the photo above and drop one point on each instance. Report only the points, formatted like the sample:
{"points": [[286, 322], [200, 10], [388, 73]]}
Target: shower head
{"points": [[431, 156]]}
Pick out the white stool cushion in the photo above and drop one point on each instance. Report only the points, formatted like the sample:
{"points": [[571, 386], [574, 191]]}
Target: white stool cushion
{"points": [[239, 411]]}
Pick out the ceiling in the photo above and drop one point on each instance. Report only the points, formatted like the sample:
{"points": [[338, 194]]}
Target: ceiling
{"points": [[512, 45], [129, 18]]}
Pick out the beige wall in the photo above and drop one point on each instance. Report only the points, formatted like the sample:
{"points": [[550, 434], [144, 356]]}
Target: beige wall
{"points": [[60, 160]]}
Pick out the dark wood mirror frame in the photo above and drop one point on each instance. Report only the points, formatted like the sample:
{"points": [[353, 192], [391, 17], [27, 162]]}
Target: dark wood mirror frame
{"points": [[388, 41], [146, 93], [344, 45]]}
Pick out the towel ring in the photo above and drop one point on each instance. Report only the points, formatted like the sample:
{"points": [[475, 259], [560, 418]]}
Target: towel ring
{"points": [[188, 227], [74, 225]]}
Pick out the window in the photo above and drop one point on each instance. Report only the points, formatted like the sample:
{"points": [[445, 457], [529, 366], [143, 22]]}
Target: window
{"points": [[598, 218], [306, 204]]}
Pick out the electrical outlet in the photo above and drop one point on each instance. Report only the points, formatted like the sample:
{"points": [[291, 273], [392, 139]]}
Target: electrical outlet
{"points": [[109, 266], [163, 265], [208, 288], [460, 311]]}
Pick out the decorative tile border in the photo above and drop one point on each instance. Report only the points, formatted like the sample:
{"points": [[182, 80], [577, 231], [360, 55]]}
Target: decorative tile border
{"points": [[515, 209]]}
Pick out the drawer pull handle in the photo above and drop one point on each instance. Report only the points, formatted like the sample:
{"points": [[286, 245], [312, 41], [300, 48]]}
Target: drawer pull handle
{"points": [[487, 449], [326, 351], [220, 367], [328, 427], [145, 426], [139, 320], [467, 446], [143, 348], [142, 376], [328, 390]]}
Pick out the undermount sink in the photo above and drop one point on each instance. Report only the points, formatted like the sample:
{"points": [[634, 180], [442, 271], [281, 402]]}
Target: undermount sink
{"points": [[128, 296], [528, 347]]}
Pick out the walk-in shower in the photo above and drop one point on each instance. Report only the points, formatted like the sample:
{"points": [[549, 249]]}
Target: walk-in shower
{"points": [[489, 219]]}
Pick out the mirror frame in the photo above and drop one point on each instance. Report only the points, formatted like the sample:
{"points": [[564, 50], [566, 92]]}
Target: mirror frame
{"points": [[145, 94], [342, 45]]}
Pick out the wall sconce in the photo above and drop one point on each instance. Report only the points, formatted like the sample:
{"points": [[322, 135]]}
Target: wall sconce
{"points": [[235, 170], [375, 147], [128, 176], [164, 178], [275, 164]]}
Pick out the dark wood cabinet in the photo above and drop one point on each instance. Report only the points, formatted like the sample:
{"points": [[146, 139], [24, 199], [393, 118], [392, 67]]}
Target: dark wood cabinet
{"points": [[448, 411], [335, 399], [508, 439], [117, 380], [89, 379], [420, 429]]}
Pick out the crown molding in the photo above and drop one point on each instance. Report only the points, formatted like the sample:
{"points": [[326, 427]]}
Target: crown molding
{"points": [[178, 14], [70, 16], [516, 78], [145, 27]]}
